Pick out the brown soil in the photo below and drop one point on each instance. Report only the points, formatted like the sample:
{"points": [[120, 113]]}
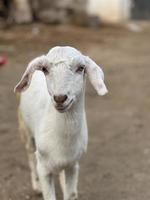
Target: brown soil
{"points": [[117, 164]]}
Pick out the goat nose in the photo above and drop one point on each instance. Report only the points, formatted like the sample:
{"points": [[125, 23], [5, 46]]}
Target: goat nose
{"points": [[60, 98]]}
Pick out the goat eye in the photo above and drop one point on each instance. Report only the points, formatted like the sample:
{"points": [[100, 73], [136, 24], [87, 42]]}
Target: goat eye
{"points": [[44, 70], [80, 68]]}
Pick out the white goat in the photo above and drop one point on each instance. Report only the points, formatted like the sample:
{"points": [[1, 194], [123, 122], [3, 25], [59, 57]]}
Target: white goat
{"points": [[52, 117]]}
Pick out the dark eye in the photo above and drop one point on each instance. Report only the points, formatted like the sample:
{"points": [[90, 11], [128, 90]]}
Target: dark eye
{"points": [[44, 70], [80, 68]]}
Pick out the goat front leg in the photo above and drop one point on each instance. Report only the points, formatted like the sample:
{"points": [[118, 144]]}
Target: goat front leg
{"points": [[29, 142], [71, 182], [46, 181]]}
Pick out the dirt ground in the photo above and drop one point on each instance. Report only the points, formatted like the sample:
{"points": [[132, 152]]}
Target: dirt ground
{"points": [[117, 164]]}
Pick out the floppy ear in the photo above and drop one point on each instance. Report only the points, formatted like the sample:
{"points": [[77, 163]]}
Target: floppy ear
{"points": [[36, 64], [96, 76]]}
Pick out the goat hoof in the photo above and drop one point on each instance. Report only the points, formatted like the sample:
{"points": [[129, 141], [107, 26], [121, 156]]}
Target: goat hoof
{"points": [[73, 196], [37, 188]]}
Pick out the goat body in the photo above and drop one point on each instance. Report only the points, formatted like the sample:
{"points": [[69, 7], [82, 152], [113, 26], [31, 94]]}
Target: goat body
{"points": [[59, 138]]}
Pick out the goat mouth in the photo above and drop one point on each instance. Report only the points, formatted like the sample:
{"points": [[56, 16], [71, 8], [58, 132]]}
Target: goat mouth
{"points": [[64, 108]]}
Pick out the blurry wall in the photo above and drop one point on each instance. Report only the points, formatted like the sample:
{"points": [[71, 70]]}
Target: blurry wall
{"points": [[141, 9], [83, 12], [61, 11], [110, 11]]}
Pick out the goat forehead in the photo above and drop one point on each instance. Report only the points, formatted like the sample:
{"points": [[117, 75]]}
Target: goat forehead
{"points": [[60, 54], [61, 69]]}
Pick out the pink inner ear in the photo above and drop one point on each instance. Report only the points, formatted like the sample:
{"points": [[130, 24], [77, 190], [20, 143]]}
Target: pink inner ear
{"points": [[26, 78], [22, 84]]}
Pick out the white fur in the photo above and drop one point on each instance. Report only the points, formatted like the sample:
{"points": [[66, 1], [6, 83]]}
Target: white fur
{"points": [[61, 138]]}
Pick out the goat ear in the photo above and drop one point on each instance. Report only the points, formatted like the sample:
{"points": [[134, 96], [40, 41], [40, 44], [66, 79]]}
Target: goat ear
{"points": [[35, 64], [96, 76]]}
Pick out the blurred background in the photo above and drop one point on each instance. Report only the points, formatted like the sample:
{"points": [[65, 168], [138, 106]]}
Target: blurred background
{"points": [[116, 34]]}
